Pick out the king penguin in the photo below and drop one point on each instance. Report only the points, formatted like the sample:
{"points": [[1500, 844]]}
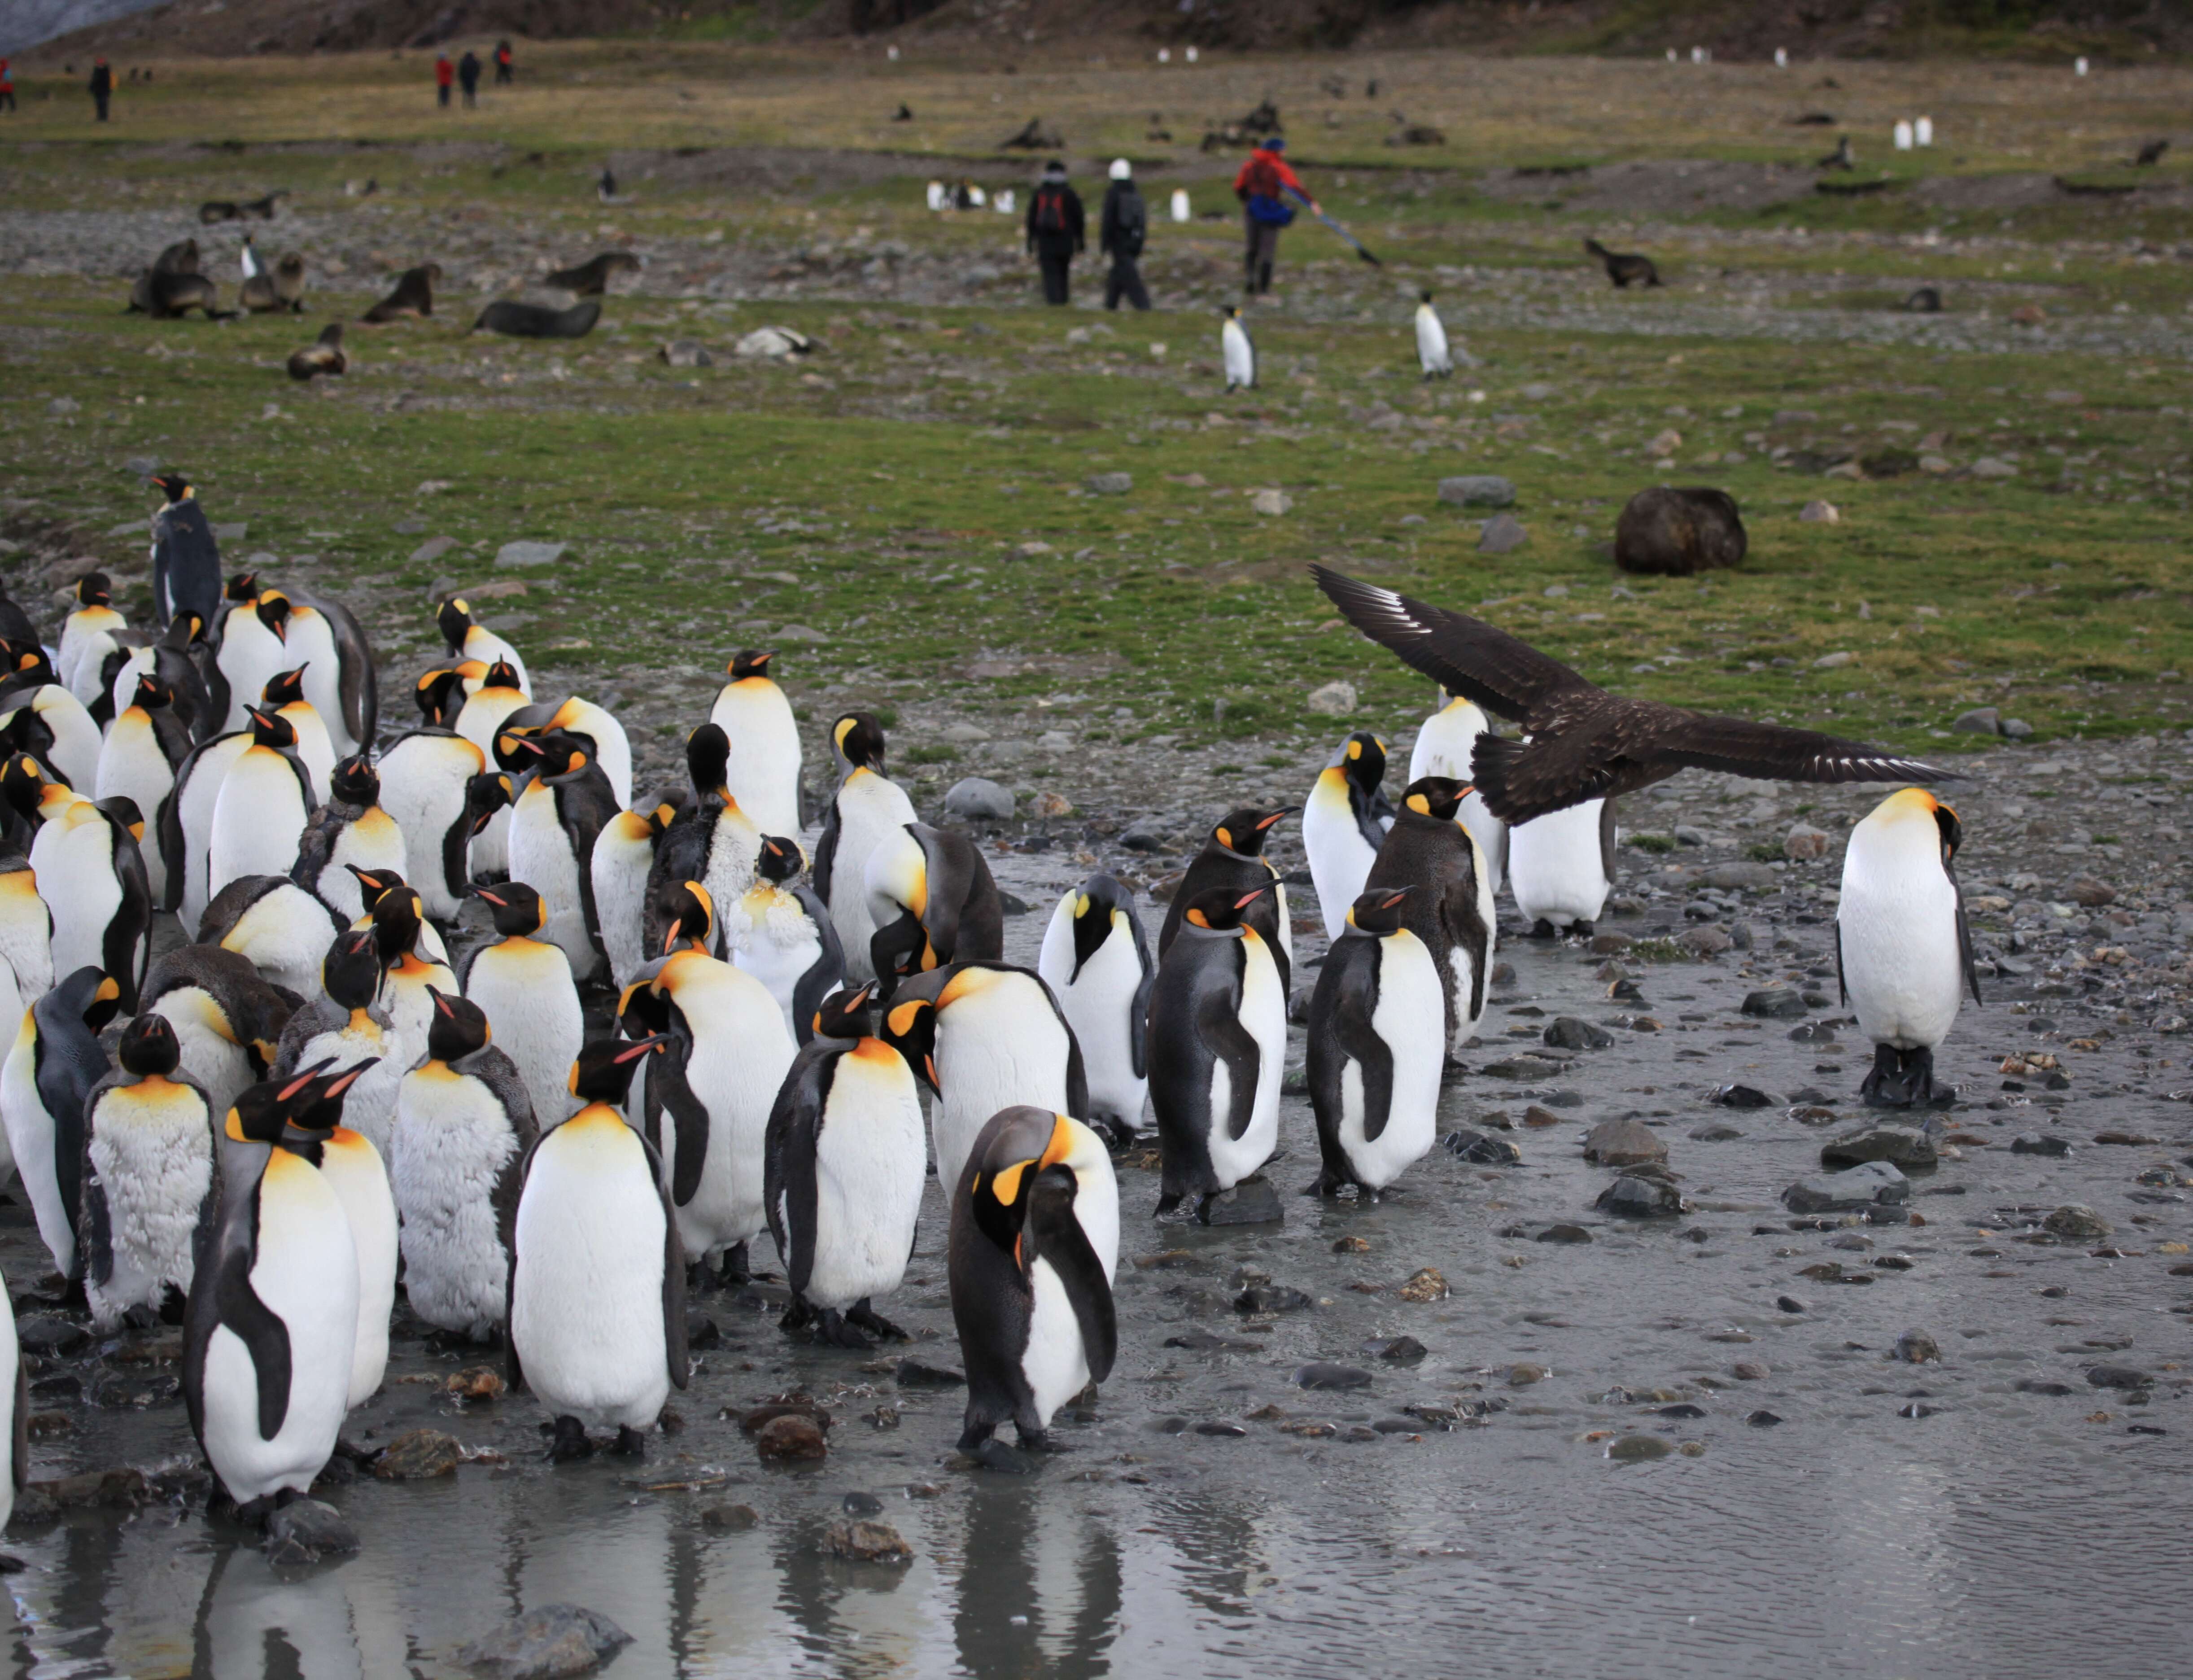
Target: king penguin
{"points": [[480, 720], [984, 1037], [763, 774], [553, 829], [270, 1336], [87, 636], [14, 1412], [284, 696], [1560, 867], [259, 817], [1233, 859], [272, 923], [523, 983], [612, 749], [399, 928], [26, 936], [1096, 963], [184, 822], [355, 1170], [463, 1125], [426, 788], [469, 640], [845, 1164], [713, 842], [790, 944], [1238, 350], [1377, 1023], [148, 1142], [227, 1020], [705, 1102], [933, 901], [1450, 910], [596, 1275], [252, 649], [351, 828], [867, 809], [45, 1085], [1445, 747], [624, 860], [1218, 1040], [45, 717], [138, 762], [325, 640], [344, 1027], [1903, 948], [186, 558], [1345, 824], [85, 861], [1035, 1242], [1432, 353]]}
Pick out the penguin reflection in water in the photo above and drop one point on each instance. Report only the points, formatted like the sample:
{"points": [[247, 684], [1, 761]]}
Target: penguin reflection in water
{"points": [[1035, 1239], [597, 1311], [1903, 948]]}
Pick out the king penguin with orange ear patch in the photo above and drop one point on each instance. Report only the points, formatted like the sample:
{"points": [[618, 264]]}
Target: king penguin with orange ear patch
{"points": [[1450, 910], [756, 718], [87, 868], [351, 828], [1035, 1239], [597, 1274], [713, 842], [623, 862], [867, 809], [1377, 1024], [1217, 1039], [1345, 823], [468, 638], [523, 985], [344, 1027], [261, 809], [933, 903], [843, 1174], [552, 831], [1096, 962], [44, 1085], [1902, 946], [1234, 856], [359, 1177], [138, 762]]}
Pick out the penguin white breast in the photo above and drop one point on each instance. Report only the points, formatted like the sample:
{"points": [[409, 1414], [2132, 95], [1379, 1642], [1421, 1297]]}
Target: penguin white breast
{"points": [[1897, 923], [315, 746], [257, 819], [11, 1357], [26, 935], [871, 809], [1556, 868], [208, 1055], [249, 655], [870, 1166], [453, 1138], [540, 856], [742, 1048], [525, 990], [620, 863], [354, 1170], [285, 935], [1411, 1019], [997, 1047], [778, 944], [1263, 1015], [151, 1150], [195, 808], [374, 841], [763, 772], [72, 858], [1055, 1364], [76, 737], [586, 1311], [1099, 1006], [1340, 858], [311, 643]]}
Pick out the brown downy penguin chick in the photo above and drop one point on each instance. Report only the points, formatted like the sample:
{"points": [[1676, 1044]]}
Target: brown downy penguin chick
{"points": [[323, 355], [1449, 908], [148, 1157]]}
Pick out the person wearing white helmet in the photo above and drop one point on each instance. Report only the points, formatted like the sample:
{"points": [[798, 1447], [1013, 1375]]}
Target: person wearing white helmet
{"points": [[1121, 228]]}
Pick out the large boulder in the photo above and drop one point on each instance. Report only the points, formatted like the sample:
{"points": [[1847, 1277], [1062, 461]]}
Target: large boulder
{"points": [[1674, 533]]}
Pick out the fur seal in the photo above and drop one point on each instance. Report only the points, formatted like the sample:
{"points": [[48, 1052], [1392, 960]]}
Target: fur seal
{"points": [[1621, 269], [414, 296], [591, 278], [325, 354], [532, 320], [1674, 533]]}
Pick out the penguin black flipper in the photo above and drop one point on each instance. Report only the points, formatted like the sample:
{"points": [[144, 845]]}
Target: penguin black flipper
{"points": [[889, 949], [825, 850], [1060, 1242], [964, 920], [506, 1230], [1138, 1019], [788, 1188], [582, 820], [1842, 984], [1965, 954], [95, 1227], [261, 1332], [125, 949], [19, 1467], [669, 1092], [1346, 998], [1219, 1024], [1606, 840], [825, 975]]}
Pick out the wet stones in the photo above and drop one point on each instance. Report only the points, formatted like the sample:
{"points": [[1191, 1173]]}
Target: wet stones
{"points": [[1901, 1145], [978, 799], [1634, 1196], [859, 1540], [1424, 1286], [2039, 1142], [1749, 1371], [419, 1456], [2090, 893], [1741, 1096], [791, 1438], [1567, 1032], [919, 1374], [549, 1643], [1623, 1143], [1253, 1202], [1396, 1349], [2076, 1223], [1916, 1347], [2123, 1377], [1774, 1003], [1527, 1067], [1322, 1374], [1742, 877], [1707, 939], [1873, 1184], [729, 1519], [1272, 1298], [1525, 1375], [1481, 1148], [1565, 1234], [1639, 1448], [1717, 1132], [304, 1531]]}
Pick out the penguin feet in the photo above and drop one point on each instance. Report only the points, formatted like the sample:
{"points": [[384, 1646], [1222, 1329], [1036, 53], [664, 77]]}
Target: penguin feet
{"points": [[736, 1269], [569, 1441], [831, 1330], [1543, 929], [630, 1443], [875, 1323], [1328, 1183], [1903, 1079], [1582, 930]]}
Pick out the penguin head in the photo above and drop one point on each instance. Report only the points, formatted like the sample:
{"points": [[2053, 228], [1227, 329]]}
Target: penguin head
{"points": [[92, 589], [858, 741], [149, 1047], [1222, 909], [439, 696], [272, 609], [516, 908], [152, 693], [243, 588], [1435, 796], [1017, 1148], [454, 618], [748, 662], [104, 1000], [457, 1027], [1232, 311], [375, 884], [1099, 903], [1379, 910], [25, 782], [270, 729], [847, 1015], [397, 918], [318, 1108], [283, 688], [1920, 803], [1247, 830], [603, 1073], [779, 860], [708, 761], [1361, 758], [1425, 295], [689, 915], [910, 1028], [501, 674], [174, 485], [27, 664], [512, 748], [559, 753], [356, 781], [350, 971], [184, 628], [485, 794]]}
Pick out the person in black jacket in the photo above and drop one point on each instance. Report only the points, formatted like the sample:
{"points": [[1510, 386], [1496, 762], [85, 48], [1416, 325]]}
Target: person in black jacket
{"points": [[1120, 229], [468, 72], [1057, 229], [102, 86]]}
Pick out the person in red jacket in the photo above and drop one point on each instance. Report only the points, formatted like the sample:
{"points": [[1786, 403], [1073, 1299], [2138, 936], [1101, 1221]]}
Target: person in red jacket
{"points": [[1055, 230], [504, 72], [444, 74], [6, 87], [1263, 187]]}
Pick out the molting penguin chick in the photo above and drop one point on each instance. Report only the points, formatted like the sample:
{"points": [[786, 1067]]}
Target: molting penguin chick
{"points": [[463, 1125], [1445, 746], [553, 829], [345, 1026], [1233, 859], [867, 809], [597, 1274], [790, 944], [44, 1087], [523, 984], [148, 1164], [933, 903], [763, 775], [227, 1020], [984, 1037], [1903, 948], [1035, 1239], [1345, 824], [1376, 1029], [1450, 910], [1217, 1039], [845, 1170], [1560, 867], [1096, 962], [270, 1334]]}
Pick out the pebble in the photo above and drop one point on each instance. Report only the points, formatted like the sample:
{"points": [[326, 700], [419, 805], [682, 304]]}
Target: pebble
{"points": [[1335, 699], [2039, 1142], [1903, 1145], [1272, 1298], [1631, 1197], [1875, 1183], [1638, 1448], [1774, 1003], [978, 798], [1478, 1148], [791, 1438], [550, 1643], [1478, 490], [1707, 939], [919, 1374], [1564, 1234], [2078, 1224], [304, 1531], [531, 553], [419, 1456], [1988, 466], [1749, 1371], [1253, 1202], [1217, 1427], [1980, 720], [1524, 1375], [1502, 533], [1805, 843], [432, 549], [1396, 1349], [1742, 1097], [2092, 894], [52, 1337], [1270, 502], [1623, 1143], [1110, 484], [1916, 1347], [1425, 1286], [858, 1541], [1568, 1032], [729, 1519], [1763, 1419], [1716, 1133], [1321, 1374], [2119, 1377]]}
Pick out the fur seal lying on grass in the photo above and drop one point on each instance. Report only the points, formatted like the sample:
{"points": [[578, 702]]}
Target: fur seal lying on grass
{"points": [[324, 355], [414, 296], [591, 278], [531, 320]]}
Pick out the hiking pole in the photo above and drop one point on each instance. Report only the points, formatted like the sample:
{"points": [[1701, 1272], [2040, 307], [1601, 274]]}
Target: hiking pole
{"points": [[1361, 249]]}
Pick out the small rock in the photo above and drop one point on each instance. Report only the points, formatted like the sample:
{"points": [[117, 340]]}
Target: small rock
{"points": [[1272, 1298], [1631, 1197], [2091, 894], [2039, 1142], [1775, 1003], [1763, 1419], [1805, 843], [1110, 484], [419, 1456], [976, 797], [1638, 1448], [475, 1382], [1335, 699], [432, 549], [1905, 1146], [2119, 1377], [1396, 1349], [1834, 662], [531, 553], [1049, 804], [729, 1519], [52, 1337], [1749, 1371], [791, 1439], [1478, 490], [1253, 1202], [2017, 729], [63, 405], [1716, 1133], [1502, 533], [1980, 720], [1567, 1032], [1741, 1096], [2076, 1223], [1666, 441], [549, 1643], [1321, 1374], [304, 1531], [1564, 1234], [920, 1373], [1874, 1183], [1423, 1286], [1537, 1118], [1623, 1143], [1746, 877], [1270, 502], [1916, 1347], [1987, 466], [1817, 512], [1481, 1148], [861, 1541], [686, 353], [1788, 1304], [1707, 939], [1523, 1375]]}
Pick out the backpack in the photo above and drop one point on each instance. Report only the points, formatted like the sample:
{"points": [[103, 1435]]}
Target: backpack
{"points": [[1264, 188], [1051, 209], [1131, 218]]}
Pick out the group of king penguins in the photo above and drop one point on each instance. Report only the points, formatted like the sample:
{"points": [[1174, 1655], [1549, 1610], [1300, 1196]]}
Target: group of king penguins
{"points": [[682, 1031]]}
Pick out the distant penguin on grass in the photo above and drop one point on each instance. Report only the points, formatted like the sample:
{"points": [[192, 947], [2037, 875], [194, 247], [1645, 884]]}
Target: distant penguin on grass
{"points": [[1904, 950], [1237, 351], [1432, 353], [1377, 1030], [1096, 962]]}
